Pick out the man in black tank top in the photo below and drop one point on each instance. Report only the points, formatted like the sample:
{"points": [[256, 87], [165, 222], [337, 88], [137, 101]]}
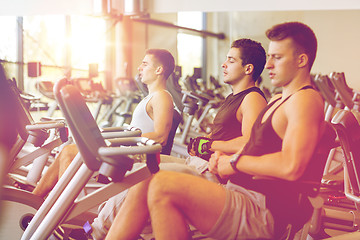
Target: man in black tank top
{"points": [[232, 124], [281, 145]]}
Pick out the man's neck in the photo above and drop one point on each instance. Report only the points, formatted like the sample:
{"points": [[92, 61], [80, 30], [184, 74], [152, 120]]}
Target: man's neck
{"points": [[242, 85], [296, 84], [157, 85]]}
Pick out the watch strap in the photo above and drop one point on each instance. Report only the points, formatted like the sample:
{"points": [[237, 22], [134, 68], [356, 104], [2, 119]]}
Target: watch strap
{"points": [[234, 160]]}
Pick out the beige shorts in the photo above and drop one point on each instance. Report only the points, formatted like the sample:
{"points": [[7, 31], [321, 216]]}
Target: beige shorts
{"points": [[244, 216]]}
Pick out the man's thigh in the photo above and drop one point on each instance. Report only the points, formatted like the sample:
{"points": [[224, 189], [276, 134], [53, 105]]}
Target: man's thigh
{"points": [[200, 200], [244, 216]]}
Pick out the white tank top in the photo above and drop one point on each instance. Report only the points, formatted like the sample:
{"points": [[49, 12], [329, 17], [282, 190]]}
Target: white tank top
{"points": [[140, 118]]}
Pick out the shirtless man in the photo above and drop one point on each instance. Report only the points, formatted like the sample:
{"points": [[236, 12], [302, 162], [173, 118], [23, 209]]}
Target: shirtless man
{"points": [[153, 115], [281, 145]]}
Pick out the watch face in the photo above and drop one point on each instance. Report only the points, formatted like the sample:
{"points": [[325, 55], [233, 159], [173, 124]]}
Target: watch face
{"points": [[234, 158]]}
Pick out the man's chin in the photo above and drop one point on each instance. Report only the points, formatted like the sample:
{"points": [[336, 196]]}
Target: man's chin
{"points": [[275, 83], [227, 81]]}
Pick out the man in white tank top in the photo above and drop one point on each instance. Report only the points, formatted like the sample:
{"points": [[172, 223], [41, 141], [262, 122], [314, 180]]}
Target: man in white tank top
{"points": [[153, 115]]}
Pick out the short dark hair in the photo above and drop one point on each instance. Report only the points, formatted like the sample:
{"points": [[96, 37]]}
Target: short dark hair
{"points": [[165, 58], [251, 53], [302, 35]]}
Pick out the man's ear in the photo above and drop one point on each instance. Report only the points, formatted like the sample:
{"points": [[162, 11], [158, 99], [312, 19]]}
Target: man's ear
{"points": [[303, 60], [249, 68], [159, 70]]}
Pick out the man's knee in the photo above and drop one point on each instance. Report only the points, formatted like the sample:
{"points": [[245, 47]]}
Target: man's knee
{"points": [[162, 187], [68, 153]]}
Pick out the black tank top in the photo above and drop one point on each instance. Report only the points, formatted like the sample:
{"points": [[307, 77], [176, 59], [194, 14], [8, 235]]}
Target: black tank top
{"points": [[281, 195], [225, 125]]}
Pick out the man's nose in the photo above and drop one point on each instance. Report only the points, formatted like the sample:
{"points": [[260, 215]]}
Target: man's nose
{"points": [[268, 64]]}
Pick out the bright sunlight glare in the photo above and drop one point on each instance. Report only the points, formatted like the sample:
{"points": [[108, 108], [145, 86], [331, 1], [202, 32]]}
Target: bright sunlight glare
{"points": [[88, 42]]}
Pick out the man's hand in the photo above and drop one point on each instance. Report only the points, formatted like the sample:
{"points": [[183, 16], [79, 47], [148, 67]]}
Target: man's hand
{"points": [[213, 162], [200, 147], [224, 169]]}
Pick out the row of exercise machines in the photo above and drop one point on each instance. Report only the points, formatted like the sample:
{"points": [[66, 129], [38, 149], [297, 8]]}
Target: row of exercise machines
{"points": [[338, 215], [26, 216]]}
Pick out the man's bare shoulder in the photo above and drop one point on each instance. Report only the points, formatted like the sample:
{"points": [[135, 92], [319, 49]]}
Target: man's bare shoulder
{"points": [[163, 94], [253, 100], [306, 102], [307, 97], [161, 97], [255, 96]]}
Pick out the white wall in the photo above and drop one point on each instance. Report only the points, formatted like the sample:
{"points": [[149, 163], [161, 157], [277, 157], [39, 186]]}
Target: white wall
{"points": [[338, 34], [161, 6], [41, 7], [133, 38]]}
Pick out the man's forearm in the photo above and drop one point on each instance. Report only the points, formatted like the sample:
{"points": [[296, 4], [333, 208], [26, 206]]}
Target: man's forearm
{"points": [[230, 147]]}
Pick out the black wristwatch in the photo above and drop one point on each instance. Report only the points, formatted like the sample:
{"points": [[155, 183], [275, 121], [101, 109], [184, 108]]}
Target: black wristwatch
{"points": [[234, 160]]}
